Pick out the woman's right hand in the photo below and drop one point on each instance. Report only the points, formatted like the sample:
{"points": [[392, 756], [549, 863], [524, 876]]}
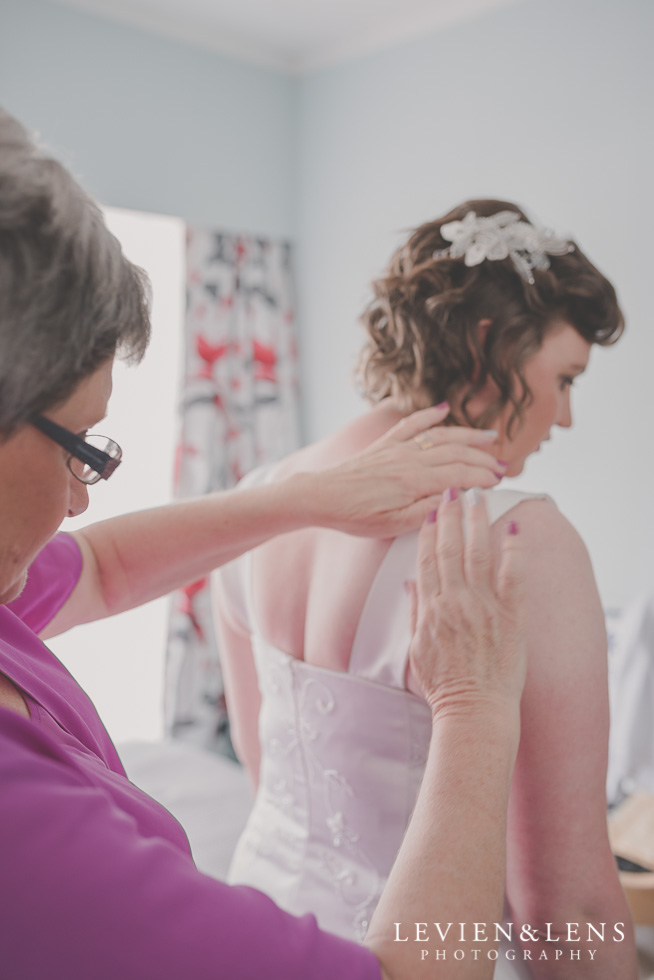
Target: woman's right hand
{"points": [[391, 487], [469, 642]]}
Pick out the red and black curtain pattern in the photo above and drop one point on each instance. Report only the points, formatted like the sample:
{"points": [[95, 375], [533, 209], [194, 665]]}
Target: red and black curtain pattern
{"points": [[239, 409]]}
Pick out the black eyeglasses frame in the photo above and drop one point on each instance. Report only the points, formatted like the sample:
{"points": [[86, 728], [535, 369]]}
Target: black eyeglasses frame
{"points": [[103, 464]]}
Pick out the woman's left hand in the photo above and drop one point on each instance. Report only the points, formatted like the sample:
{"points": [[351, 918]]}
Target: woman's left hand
{"points": [[391, 487]]}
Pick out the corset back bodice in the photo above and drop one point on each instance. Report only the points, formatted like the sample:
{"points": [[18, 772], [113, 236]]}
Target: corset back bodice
{"points": [[342, 758], [340, 771]]}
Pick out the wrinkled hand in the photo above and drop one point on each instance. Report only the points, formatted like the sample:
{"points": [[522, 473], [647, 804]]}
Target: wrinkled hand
{"points": [[391, 487], [468, 644]]}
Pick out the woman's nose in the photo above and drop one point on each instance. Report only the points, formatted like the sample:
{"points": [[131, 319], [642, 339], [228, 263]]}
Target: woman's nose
{"points": [[78, 499], [564, 417]]}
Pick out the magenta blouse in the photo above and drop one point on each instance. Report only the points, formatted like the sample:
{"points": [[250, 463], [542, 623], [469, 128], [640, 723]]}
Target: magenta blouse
{"points": [[96, 878]]}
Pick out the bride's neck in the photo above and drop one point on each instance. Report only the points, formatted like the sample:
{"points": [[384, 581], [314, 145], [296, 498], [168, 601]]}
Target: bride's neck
{"points": [[389, 411]]}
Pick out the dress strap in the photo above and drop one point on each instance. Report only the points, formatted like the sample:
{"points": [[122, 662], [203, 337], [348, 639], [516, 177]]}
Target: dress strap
{"points": [[381, 643], [380, 649], [500, 502]]}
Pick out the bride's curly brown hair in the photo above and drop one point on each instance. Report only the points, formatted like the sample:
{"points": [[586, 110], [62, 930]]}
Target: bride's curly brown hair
{"points": [[424, 344]]}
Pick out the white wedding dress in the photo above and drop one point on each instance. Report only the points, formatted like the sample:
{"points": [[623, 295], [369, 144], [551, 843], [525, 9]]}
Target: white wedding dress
{"points": [[342, 758]]}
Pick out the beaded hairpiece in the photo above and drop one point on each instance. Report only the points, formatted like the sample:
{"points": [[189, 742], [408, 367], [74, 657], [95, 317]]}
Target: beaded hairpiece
{"points": [[499, 236]]}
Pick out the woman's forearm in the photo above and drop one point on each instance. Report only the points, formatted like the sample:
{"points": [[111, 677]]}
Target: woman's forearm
{"points": [[469, 656], [147, 554], [388, 489], [460, 811]]}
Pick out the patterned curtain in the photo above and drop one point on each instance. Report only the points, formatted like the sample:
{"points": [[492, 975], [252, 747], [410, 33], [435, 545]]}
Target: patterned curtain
{"points": [[239, 409]]}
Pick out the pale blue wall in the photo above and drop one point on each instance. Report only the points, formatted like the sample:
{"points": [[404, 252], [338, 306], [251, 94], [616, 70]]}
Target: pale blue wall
{"points": [[150, 123], [544, 101], [548, 102]]}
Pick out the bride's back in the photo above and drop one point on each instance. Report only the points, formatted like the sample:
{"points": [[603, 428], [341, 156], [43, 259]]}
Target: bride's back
{"points": [[308, 593], [309, 587]]}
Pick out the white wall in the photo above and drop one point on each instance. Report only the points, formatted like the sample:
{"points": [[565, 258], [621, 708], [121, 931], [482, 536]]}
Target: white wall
{"points": [[546, 102], [120, 661], [150, 123], [163, 127]]}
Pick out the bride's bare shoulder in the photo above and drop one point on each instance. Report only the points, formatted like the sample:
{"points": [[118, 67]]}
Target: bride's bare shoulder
{"points": [[557, 560], [541, 523], [346, 441]]}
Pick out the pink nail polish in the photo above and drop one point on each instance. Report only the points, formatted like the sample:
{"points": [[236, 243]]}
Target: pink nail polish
{"points": [[500, 476], [451, 494], [502, 462], [443, 405], [431, 518], [512, 527]]}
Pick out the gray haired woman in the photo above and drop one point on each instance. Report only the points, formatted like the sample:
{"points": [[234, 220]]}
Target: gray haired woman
{"points": [[97, 879]]}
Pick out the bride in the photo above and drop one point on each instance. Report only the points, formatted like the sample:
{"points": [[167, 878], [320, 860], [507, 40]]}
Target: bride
{"points": [[485, 311]]}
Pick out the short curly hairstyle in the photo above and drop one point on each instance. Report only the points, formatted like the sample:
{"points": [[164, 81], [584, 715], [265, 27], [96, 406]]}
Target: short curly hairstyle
{"points": [[424, 344], [69, 299]]}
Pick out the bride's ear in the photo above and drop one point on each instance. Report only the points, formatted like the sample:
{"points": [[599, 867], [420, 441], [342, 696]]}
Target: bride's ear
{"points": [[482, 331], [488, 393]]}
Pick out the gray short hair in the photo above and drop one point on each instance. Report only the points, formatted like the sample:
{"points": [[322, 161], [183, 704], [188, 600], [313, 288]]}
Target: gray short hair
{"points": [[69, 299]]}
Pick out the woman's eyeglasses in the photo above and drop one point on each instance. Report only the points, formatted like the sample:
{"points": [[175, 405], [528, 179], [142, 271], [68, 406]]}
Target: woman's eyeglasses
{"points": [[91, 458]]}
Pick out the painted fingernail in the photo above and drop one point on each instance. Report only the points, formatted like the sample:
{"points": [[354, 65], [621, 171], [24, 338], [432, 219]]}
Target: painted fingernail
{"points": [[500, 476], [473, 496], [512, 527], [431, 518], [451, 494], [502, 462], [443, 405]]}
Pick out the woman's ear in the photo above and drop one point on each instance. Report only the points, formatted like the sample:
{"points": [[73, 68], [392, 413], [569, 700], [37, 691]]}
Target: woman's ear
{"points": [[482, 330]]}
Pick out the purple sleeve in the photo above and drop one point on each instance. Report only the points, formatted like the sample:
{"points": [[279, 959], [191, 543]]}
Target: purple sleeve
{"points": [[51, 578], [83, 894]]}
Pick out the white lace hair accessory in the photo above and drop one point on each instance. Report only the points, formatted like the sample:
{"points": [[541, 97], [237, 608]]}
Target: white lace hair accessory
{"points": [[499, 236]]}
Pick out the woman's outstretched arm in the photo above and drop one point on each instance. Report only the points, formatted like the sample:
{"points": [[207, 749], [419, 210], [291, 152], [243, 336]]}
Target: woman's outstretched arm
{"points": [[385, 490]]}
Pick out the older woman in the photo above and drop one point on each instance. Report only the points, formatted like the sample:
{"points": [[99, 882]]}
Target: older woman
{"points": [[97, 880]]}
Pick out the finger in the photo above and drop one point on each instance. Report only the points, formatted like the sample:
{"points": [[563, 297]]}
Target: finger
{"points": [[412, 593], [428, 583], [478, 558], [446, 434], [455, 452], [471, 476], [440, 476], [511, 576], [420, 421], [412, 517], [449, 545]]}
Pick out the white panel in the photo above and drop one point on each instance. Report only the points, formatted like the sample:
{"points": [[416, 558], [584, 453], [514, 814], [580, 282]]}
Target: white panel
{"points": [[119, 661]]}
